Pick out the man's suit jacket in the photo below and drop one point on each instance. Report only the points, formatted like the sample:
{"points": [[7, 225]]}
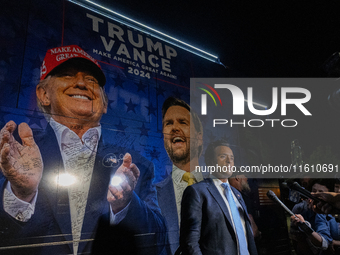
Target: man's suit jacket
{"points": [[167, 203], [206, 226], [51, 221]]}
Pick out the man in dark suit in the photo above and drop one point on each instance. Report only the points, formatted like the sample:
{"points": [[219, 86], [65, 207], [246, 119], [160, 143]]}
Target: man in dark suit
{"points": [[182, 130], [214, 218], [58, 184], [240, 182]]}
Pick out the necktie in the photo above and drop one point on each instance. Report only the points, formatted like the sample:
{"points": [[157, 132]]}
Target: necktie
{"points": [[241, 237], [187, 178]]}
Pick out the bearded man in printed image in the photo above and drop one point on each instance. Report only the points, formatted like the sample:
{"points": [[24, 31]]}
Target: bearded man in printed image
{"points": [[183, 132]]}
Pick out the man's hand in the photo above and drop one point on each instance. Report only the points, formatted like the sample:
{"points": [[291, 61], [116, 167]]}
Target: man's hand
{"points": [[21, 164], [334, 247], [119, 194], [297, 219], [326, 207]]}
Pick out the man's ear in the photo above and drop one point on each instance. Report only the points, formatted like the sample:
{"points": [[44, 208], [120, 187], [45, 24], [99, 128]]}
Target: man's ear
{"points": [[105, 109], [104, 99], [42, 96]]}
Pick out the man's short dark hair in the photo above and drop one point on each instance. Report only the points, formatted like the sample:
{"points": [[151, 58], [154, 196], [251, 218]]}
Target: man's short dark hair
{"points": [[329, 183], [172, 101], [209, 156]]}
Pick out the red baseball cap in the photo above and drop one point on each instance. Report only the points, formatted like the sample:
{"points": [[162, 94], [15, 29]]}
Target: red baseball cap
{"points": [[57, 56]]}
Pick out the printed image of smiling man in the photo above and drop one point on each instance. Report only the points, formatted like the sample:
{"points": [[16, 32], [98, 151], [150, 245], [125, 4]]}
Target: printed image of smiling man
{"points": [[183, 132], [35, 203]]}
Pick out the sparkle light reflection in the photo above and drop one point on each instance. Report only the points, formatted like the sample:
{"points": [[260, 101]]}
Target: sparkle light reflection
{"points": [[116, 180], [65, 180]]}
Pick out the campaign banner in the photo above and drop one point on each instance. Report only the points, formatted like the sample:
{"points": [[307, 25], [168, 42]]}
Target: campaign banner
{"points": [[82, 130]]}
